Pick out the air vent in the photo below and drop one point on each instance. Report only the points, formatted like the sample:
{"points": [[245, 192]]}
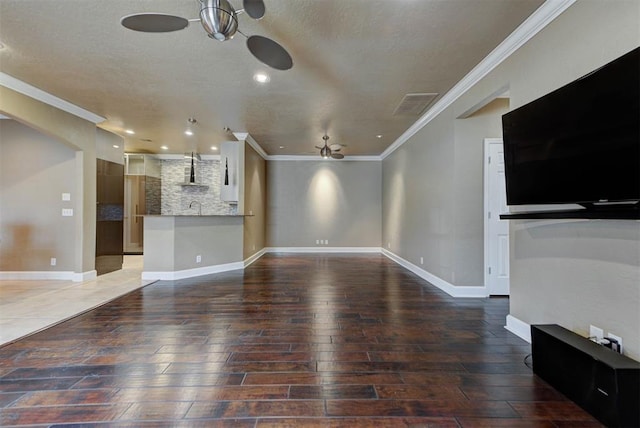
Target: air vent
{"points": [[414, 104]]}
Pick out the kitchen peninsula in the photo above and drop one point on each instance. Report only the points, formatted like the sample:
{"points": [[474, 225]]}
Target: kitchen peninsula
{"points": [[202, 227], [182, 246]]}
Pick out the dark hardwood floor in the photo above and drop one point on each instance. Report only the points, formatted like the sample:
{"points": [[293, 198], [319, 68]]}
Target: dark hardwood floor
{"points": [[305, 340]]}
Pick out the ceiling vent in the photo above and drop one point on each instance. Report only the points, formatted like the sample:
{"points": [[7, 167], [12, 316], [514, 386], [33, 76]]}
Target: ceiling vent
{"points": [[414, 104]]}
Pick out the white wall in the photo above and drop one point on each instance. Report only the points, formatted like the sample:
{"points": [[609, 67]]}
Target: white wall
{"points": [[338, 201], [572, 273]]}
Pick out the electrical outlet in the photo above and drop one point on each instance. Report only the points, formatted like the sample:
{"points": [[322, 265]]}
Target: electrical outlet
{"points": [[326, 242], [596, 332], [198, 258], [317, 242], [618, 338], [421, 260], [66, 196], [389, 245], [53, 261]]}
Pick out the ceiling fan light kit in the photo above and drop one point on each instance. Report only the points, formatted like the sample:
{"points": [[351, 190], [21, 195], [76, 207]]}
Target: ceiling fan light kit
{"points": [[220, 21], [326, 152]]}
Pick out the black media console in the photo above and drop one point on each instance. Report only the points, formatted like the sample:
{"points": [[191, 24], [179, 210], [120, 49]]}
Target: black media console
{"points": [[601, 381]]}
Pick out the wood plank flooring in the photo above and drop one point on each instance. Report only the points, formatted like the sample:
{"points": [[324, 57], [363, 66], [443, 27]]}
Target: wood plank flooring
{"points": [[304, 340]]}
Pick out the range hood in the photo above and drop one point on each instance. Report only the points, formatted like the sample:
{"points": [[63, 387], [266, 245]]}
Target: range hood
{"points": [[190, 170]]}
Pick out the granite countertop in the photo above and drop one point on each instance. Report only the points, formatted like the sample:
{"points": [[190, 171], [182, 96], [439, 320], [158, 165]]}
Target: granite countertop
{"points": [[195, 215]]}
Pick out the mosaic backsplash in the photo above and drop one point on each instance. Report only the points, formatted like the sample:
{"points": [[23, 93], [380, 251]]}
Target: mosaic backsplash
{"points": [[153, 195], [176, 198]]}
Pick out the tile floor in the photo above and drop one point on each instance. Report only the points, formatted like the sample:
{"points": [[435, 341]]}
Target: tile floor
{"points": [[30, 306]]}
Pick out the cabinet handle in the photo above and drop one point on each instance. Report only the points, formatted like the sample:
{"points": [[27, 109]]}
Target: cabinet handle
{"points": [[136, 213]]}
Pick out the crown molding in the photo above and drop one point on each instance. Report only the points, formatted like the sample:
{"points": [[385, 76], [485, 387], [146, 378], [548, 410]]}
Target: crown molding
{"points": [[17, 85], [244, 136], [177, 156], [545, 14], [316, 158]]}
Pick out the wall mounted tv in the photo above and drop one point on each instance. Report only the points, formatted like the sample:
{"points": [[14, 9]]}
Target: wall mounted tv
{"points": [[579, 144]]}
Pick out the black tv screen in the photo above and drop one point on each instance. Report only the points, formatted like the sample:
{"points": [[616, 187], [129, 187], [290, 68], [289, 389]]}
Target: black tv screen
{"points": [[580, 143]]}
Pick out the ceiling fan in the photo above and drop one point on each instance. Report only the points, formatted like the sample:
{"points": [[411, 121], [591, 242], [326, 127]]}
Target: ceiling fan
{"points": [[326, 151], [220, 20]]}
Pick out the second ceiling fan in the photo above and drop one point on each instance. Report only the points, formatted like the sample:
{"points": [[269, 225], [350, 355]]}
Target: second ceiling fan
{"points": [[326, 151], [220, 20]]}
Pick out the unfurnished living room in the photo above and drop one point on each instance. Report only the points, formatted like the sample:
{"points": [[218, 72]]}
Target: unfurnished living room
{"points": [[323, 213]]}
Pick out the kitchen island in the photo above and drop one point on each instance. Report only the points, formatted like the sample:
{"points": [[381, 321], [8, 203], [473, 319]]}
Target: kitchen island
{"points": [[183, 246]]}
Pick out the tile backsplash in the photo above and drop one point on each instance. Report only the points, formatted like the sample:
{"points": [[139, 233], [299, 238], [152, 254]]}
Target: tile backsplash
{"points": [[176, 197]]}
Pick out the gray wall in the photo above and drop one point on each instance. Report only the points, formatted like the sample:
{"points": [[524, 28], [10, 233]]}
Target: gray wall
{"points": [[573, 273], [79, 135], [105, 146], [34, 172], [338, 201], [433, 196], [255, 202], [173, 243]]}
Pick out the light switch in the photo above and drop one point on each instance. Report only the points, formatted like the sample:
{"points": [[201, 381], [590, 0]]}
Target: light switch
{"points": [[67, 212]]}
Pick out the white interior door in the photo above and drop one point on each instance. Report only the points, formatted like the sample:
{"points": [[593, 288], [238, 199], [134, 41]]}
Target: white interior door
{"points": [[496, 230]]}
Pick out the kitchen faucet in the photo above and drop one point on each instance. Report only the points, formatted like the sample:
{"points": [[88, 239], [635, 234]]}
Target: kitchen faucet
{"points": [[199, 206]]}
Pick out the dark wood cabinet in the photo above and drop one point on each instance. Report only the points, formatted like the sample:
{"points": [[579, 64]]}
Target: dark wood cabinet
{"points": [[109, 216], [601, 381]]}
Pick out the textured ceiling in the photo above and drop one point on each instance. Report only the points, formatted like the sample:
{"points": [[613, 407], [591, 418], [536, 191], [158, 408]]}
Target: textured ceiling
{"points": [[354, 61]]}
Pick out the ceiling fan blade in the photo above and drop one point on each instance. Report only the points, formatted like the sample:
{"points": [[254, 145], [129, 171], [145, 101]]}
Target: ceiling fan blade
{"points": [[318, 147], [336, 150], [337, 146], [337, 155], [254, 8], [269, 52], [154, 22]]}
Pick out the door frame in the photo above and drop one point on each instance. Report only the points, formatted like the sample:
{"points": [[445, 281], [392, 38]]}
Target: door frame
{"points": [[487, 142]]}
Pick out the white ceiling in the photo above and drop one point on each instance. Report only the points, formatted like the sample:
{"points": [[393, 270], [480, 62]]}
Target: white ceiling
{"points": [[354, 61]]}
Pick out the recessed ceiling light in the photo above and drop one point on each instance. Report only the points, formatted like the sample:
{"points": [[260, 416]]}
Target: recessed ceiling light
{"points": [[379, 136], [214, 148], [189, 131], [261, 77], [282, 147], [129, 131], [115, 146], [164, 147]]}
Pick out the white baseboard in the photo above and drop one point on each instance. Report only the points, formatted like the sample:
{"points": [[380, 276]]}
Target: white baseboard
{"points": [[85, 276], [251, 259], [37, 275], [323, 250], [189, 273], [452, 290], [447, 287], [519, 328], [48, 276]]}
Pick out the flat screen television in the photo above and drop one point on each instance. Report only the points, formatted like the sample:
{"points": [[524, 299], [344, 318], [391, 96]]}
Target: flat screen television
{"points": [[580, 143]]}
